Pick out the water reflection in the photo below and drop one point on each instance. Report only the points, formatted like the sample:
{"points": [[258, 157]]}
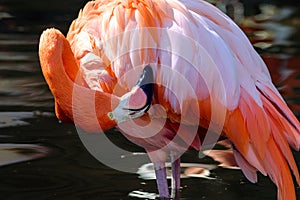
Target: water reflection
{"points": [[12, 119], [66, 170], [143, 195], [196, 170], [15, 153]]}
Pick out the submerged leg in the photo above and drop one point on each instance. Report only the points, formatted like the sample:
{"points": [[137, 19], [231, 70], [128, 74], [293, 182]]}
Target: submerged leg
{"points": [[175, 181], [161, 180]]}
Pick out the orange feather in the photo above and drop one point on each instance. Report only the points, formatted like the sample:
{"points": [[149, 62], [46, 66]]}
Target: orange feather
{"points": [[257, 121]]}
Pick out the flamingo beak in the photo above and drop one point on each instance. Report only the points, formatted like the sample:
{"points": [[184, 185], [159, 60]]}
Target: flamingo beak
{"points": [[135, 103]]}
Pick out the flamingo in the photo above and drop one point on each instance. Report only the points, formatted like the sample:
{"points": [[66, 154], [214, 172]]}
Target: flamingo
{"points": [[170, 74]]}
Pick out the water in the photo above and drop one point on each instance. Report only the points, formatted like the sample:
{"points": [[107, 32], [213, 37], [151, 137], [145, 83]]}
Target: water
{"points": [[41, 158]]}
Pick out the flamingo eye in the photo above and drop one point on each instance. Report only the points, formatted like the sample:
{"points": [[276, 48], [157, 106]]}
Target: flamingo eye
{"points": [[111, 116]]}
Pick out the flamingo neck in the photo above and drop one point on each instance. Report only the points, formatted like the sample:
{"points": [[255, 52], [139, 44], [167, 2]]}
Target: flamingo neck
{"points": [[87, 108]]}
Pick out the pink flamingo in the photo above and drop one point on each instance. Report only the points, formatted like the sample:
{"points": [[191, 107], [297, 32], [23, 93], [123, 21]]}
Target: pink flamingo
{"points": [[128, 56]]}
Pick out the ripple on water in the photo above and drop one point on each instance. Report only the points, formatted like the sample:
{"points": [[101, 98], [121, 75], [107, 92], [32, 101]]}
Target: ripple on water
{"points": [[15, 153], [12, 119]]}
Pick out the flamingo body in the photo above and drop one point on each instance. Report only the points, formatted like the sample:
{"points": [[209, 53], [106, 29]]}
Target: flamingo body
{"points": [[206, 74]]}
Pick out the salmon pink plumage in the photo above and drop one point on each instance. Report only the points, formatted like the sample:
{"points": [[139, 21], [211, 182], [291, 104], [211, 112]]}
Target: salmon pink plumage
{"points": [[128, 56]]}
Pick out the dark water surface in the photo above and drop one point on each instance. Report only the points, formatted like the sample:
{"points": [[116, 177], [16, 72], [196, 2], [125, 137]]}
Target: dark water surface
{"points": [[41, 158]]}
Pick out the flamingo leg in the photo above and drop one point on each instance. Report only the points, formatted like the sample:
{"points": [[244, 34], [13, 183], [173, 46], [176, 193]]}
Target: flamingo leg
{"points": [[175, 181], [161, 180]]}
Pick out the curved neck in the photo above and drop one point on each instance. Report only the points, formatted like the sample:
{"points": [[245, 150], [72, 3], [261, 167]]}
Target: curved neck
{"points": [[87, 108]]}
